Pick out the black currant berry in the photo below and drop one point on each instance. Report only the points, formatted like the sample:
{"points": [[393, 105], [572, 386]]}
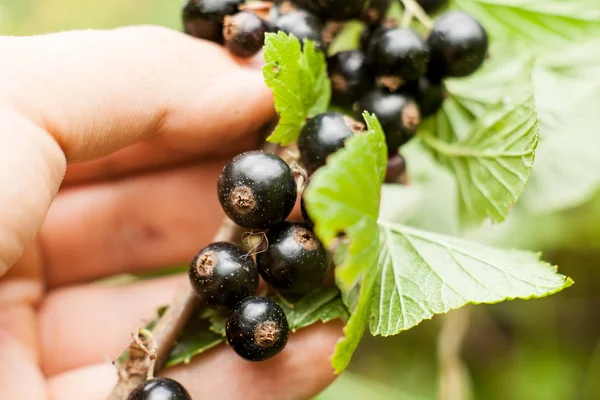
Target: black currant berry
{"points": [[428, 94], [350, 77], [336, 10], [244, 33], [257, 190], [398, 113], [322, 136], [458, 45], [303, 25], [398, 55], [431, 6], [375, 11], [223, 274], [396, 167], [257, 329], [160, 389], [203, 19], [295, 261]]}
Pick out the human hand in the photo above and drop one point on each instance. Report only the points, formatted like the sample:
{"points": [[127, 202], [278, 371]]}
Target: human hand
{"points": [[141, 120]]}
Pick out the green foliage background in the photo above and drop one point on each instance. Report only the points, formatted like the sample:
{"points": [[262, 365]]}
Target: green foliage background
{"points": [[534, 350]]}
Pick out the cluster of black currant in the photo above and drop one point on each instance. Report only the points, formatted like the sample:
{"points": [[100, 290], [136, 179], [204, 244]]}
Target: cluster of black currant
{"points": [[395, 74], [258, 191]]}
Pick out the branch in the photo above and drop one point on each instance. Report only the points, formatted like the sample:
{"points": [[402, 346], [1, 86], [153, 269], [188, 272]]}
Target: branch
{"points": [[168, 328], [454, 382], [136, 368]]}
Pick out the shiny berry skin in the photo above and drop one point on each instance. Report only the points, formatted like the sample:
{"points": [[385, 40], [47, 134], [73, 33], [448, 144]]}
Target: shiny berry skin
{"points": [[375, 11], [203, 19], [295, 261], [428, 94], [257, 190], [322, 136], [160, 389], [244, 33], [431, 6], [257, 329], [336, 10], [398, 55], [458, 45], [350, 77], [222, 274], [398, 113], [303, 25]]}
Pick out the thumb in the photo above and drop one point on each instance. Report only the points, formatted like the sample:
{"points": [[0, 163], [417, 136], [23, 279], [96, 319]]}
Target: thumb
{"points": [[77, 96]]}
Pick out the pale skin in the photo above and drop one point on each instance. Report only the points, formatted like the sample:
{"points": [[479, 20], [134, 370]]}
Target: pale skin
{"points": [[110, 146]]}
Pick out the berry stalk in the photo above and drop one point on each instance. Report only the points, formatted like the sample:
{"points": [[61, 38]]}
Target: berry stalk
{"points": [[415, 9]]}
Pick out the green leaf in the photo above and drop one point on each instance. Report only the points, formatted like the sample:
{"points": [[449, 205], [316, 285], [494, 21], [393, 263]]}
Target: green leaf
{"points": [[493, 162], [195, 339], [344, 197], [536, 24], [565, 84], [423, 273], [324, 304], [567, 171], [392, 276], [299, 81]]}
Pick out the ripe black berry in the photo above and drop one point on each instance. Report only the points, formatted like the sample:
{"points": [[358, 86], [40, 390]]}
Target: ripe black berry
{"points": [[244, 33], [428, 94], [350, 77], [302, 24], [257, 329], [336, 10], [203, 19], [295, 261], [431, 6], [398, 113], [257, 190], [375, 11], [223, 274], [398, 55], [458, 45], [322, 136], [160, 389]]}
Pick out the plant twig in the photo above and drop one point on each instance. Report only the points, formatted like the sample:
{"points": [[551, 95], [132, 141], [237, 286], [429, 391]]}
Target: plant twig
{"points": [[414, 8], [454, 379], [407, 18], [143, 362]]}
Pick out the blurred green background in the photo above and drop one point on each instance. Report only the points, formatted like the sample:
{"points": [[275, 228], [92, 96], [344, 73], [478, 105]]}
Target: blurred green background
{"points": [[535, 350]]}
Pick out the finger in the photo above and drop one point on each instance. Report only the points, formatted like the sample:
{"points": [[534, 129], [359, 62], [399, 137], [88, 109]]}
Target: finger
{"points": [[135, 159], [94, 382], [140, 83], [132, 225], [31, 165], [300, 372], [97, 92], [70, 320], [20, 377]]}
